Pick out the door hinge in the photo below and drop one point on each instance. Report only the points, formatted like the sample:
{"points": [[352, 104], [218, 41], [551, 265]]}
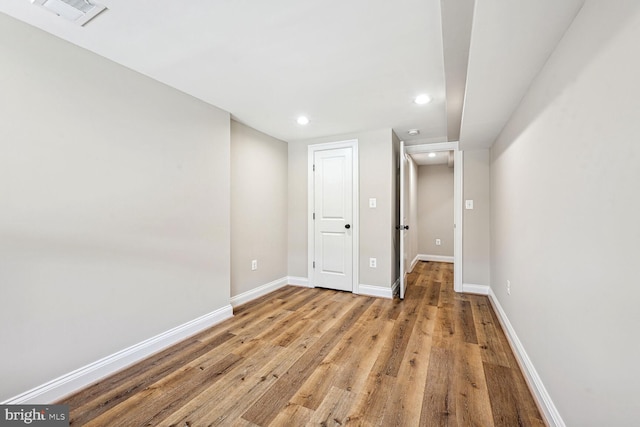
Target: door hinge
{"points": [[314, 264], [314, 168], [314, 215]]}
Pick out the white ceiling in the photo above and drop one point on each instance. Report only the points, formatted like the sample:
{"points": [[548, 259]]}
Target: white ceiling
{"points": [[510, 43], [349, 66]]}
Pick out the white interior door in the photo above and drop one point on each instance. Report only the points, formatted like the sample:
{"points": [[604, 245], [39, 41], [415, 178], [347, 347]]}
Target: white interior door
{"points": [[333, 219], [404, 213]]}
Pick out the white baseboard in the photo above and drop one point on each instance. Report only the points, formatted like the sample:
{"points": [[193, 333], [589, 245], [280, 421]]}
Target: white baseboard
{"points": [[66, 384], [395, 288], [435, 258], [540, 394], [414, 262], [376, 291], [298, 281], [259, 291], [469, 288]]}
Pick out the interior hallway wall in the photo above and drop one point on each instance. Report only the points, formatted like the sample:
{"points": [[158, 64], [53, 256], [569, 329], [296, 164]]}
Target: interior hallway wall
{"points": [[564, 221], [114, 218], [258, 208], [435, 210], [476, 248]]}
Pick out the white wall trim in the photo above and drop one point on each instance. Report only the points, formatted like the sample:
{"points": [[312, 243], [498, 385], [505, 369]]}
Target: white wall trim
{"points": [[377, 291], [355, 221], [458, 194], [258, 292], [470, 288], [540, 394], [435, 258], [298, 281], [73, 381], [395, 288], [413, 263]]}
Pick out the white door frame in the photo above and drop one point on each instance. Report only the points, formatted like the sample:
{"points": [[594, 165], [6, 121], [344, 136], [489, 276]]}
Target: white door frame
{"points": [[457, 201], [353, 144]]}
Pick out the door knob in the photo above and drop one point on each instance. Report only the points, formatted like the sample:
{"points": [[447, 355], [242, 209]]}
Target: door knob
{"points": [[406, 227], [348, 226]]}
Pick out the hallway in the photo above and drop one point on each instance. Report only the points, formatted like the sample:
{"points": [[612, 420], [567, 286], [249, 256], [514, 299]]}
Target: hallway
{"points": [[319, 357]]}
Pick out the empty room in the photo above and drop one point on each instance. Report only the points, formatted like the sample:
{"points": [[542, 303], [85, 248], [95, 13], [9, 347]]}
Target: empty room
{"points": [[367, 213]]}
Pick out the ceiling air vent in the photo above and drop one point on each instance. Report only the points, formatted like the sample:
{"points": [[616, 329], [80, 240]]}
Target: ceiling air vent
{"points": [[77, 11]]}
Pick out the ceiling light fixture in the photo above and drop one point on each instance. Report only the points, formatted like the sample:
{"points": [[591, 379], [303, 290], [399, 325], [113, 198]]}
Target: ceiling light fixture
{"points": [[77, 11], [303, 120], [422, 99], [432, 155], [413, 132]]}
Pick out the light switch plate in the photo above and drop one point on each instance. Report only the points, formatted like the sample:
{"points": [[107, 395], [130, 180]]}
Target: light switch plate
{"points": [[373, 203], [468, 204]]}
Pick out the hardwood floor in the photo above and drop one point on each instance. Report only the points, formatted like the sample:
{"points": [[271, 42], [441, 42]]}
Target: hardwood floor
{"points": [[319, 357]]}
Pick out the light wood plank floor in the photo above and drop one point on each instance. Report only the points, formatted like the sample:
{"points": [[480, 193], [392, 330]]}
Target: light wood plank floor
{"points": [[319, 357]]}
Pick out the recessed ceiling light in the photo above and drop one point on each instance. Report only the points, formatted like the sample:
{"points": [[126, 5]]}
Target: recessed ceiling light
{"points": [[413, 132], [422, 99], [303, 120], [432, 155]]}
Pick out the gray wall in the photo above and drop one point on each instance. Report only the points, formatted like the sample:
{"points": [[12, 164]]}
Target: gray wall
{"points": [[258, 208], [476, 222], [564, 221], [377, 179], [114, 218], [435, 210]]}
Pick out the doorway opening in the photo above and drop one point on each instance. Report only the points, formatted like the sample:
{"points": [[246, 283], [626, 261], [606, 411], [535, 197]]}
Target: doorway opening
{"points": [[430, 205]]}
